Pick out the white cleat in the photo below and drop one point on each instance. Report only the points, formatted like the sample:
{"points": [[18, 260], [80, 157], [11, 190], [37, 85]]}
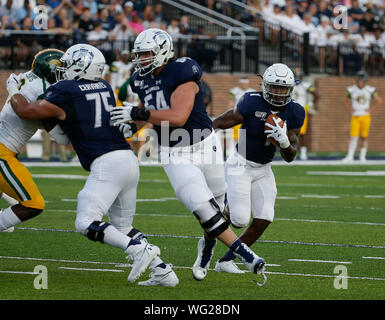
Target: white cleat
{"points": [[347, 160], [228, 266], [200, 271], [142, 254], [11, 229], [161, 277]]}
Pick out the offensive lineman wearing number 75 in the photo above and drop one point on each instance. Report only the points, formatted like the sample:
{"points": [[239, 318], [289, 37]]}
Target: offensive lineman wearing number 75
{"points": [[82, 102]]}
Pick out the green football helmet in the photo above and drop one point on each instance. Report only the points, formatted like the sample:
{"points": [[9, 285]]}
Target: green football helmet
{"points": [[45, 63]]}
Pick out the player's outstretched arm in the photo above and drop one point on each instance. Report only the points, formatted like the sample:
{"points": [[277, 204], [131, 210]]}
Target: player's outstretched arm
{"points": [[41, 109], [288, 154], [228, 119]]}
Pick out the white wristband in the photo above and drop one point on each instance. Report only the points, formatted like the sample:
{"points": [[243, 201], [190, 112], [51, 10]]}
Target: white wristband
{"points": [[284, 144]]}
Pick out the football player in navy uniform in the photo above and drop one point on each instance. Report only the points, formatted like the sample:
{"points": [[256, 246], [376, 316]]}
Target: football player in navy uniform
{"points": [[82, 102], [172, 99], [250, 179]]}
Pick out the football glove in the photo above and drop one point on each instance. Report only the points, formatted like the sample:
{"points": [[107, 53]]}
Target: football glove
{"points": [[128, 129], [128, 113], [13, 84], [278, 133]]}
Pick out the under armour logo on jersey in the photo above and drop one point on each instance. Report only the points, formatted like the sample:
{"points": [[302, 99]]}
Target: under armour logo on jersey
{"points": [[261, 115]]}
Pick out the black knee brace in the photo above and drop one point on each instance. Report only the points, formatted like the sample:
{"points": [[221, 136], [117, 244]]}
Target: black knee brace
{"points": [[209, 224], [96, 230]]}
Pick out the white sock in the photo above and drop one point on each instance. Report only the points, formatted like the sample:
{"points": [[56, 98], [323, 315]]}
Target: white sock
{"points": [[8, 219], [303, 151], [352, 147], [363, 154], [11, 201], [157, 261], [115, 238]]}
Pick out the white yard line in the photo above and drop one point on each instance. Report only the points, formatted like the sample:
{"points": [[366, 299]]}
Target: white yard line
{"points": [[371, 173], [374, 258], [320, 261], [86, 269], [17, 272], [323, 276]]}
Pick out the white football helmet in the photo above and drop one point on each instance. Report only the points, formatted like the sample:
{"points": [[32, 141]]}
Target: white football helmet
{"points": [[157, 42], [277, 85], [82, 61]]}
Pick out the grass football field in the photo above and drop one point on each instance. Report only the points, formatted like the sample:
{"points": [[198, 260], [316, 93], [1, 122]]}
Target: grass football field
{"points": [[327, 241]]}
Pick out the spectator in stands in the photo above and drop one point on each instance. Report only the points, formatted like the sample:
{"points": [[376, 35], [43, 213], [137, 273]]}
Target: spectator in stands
{"points": [[173, 29], [323, 10], [138, 5], [128, 8], [106, 20], [136, 23], [149, 18], [291, 20], [100, 39], [86, 23], [24, 11], [355, 11], [7, 9], [376, 59], [353, 25], [185, 24], [92, 5], [158, 11], [121, 34], [302, 8], [322, 40], [313, 9], [368, 21]]}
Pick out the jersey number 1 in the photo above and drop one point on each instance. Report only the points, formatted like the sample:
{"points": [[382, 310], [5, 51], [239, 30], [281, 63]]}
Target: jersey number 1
{"points": [[99, 98]]}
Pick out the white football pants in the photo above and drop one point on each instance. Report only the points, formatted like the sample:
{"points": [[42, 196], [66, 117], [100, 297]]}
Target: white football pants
{"points": [[251, 189], [110, 187], [196, 172]]}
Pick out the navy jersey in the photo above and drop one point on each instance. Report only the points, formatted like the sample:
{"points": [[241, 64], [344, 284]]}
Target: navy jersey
{"points": [[155, 92], [255, 110], [87, 105]]}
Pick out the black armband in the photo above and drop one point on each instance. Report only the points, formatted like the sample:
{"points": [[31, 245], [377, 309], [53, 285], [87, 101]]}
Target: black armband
{"points": [[140, 114]]}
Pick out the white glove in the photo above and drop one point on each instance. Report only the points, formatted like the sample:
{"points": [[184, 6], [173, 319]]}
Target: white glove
{"points": [[58, 135], [121, 114], [128, 129], [278, 134], [13, 84]]}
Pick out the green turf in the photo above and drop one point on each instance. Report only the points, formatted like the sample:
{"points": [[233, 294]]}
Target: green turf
{"points": [[318, 217]]}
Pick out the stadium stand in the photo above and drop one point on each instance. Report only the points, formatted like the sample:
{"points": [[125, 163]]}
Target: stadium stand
{"points": [[324, 38]]}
